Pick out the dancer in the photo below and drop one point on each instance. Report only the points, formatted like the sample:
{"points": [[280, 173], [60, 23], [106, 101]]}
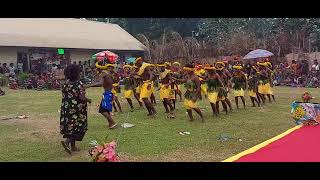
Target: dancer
{"points": [[73, 117], [193, 91], [137, 84], [214, 85], [253, 87], [177, 74], [165, 90], [146, 88], [128, 85], [271, 77], [239, 84], [107, 99], [200, 72], [264, 87], [116, 88], [225, 76], [154, 79]]}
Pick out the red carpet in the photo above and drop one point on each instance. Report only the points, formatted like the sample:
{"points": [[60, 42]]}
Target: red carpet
{"points": [[301, 145]]}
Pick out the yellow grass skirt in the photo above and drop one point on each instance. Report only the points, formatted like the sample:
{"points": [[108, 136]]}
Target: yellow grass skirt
{"points": [[265, 89], [189, 104], [252, 94], [164, 91], [114, 92], [128, 94], [146, 90], [237, 93], [204, 89], [213, 97]]}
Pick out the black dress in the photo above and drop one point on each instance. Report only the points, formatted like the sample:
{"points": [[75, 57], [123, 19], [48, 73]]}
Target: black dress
{"points": [[73, 119]]}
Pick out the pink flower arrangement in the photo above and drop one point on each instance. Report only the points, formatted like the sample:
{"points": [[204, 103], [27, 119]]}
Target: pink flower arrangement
{"points": [[104, 153]]}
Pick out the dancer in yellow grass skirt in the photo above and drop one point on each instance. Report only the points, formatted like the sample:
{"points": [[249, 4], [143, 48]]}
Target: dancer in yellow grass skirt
{"points": [[253, 87], [165, 92], [225, 76], [147, 87], [128, 85], [192, 85], [214, 84], [177, 74], [239, 84], [200, 72], [264, 87]]}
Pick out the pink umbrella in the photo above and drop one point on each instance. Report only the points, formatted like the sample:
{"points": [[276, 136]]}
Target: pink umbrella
{"points": [[112, 57]]}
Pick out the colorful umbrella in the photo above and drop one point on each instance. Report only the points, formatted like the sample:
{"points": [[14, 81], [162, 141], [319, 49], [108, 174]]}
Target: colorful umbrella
{"points": [[112, 57], [258, 53], [131, 60]]}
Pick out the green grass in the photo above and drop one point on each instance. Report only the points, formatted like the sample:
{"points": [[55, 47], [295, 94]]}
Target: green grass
{"points": [[152, 139]]}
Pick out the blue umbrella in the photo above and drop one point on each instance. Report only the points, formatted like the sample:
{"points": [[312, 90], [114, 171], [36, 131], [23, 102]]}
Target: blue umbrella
{"points": [[258, 53], [131, 60]]}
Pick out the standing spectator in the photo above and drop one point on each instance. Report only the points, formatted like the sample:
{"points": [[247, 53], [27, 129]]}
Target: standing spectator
{"points": [[73, 119], [12, 70], [315, 66], [5, 69], [304, 67], [74, 62]]}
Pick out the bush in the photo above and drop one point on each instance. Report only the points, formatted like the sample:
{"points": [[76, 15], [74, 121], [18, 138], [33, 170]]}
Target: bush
{"points": [[4, 81], [22, 77]]}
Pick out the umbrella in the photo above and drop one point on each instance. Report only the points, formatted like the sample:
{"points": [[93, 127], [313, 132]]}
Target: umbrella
{"points": [[258, 53], [112, 57], [131, 60]]}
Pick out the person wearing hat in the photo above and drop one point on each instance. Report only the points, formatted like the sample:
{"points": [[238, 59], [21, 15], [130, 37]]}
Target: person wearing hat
{"points": [[193, 91], [253, 86], [239, 82], [147, 87], [214, 85], [264, 87], [177, 74], [225, 76], [154, 80], [137, 84], [200, 72], [128, 85], [116, 87], [165, 90]]}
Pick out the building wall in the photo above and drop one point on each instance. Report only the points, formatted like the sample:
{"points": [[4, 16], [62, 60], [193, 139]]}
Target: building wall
{"points": [[80, 55], [8, 55]]}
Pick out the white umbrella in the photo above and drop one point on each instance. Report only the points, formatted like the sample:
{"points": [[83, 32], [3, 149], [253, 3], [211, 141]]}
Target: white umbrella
{"points": [[258, 53]]}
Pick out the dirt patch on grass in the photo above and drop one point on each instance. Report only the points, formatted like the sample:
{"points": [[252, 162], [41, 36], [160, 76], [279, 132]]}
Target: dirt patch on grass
{"points": [[34, 128]]}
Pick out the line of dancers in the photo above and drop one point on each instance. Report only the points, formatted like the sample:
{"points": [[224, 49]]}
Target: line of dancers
{"points": [[213, 82]]}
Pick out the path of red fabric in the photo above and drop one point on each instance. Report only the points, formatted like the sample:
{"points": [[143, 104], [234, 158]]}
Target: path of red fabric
{"points": [[301, 145]]}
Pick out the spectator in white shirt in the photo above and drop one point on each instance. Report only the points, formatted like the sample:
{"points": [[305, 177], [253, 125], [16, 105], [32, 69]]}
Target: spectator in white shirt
{"points": [[315, 66]]}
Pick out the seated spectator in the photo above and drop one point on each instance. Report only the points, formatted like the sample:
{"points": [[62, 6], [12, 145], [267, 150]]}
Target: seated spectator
{"points": [[13, 84], [5, 69]]}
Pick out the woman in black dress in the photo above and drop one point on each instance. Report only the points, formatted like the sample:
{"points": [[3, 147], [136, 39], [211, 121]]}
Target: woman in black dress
{"points": [[73, 119]]}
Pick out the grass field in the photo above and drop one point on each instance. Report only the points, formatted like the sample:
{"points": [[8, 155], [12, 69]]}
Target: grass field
{"points": [[152, 139]]}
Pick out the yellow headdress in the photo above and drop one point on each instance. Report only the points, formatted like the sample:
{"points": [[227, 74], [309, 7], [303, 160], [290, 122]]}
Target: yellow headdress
{"points": [[138, 59], [164, 73], [237, 67], [143, 67], [127, 66], [105, 66], [262, 64], [161, 65], [219, 65], [176, 63], [167, 64], [209, 68], [188, 69]]}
